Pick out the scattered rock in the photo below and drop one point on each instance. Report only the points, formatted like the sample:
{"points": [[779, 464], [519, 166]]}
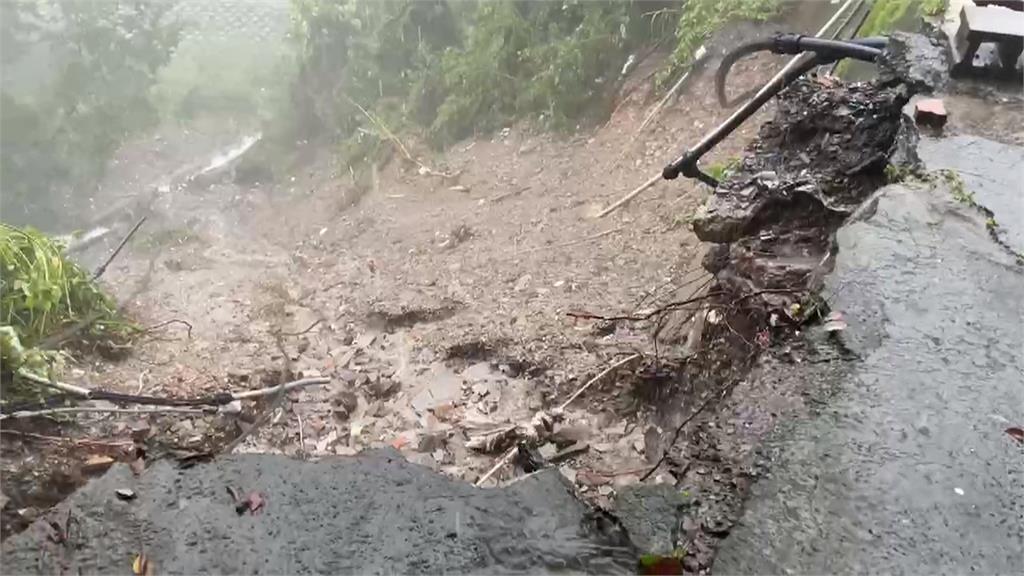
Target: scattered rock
{"points": [[567, 435], [569, 473], [930, 112], [96, 463], [125, 494], [185, 426], [651, 515], [523, 283], [346, 402], [237, 376], [574, 450], [140, 431], [431, 441], [327, 441], [383, 388], [364, 341], [548, 451], [918, 61]]}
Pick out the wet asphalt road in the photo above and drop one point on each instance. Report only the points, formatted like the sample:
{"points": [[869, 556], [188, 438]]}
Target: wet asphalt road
{"points": [[908, 469]]}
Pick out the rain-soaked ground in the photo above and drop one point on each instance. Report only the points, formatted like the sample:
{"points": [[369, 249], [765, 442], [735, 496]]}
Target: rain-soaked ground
{"points": [[906, 467], [374, 514]]}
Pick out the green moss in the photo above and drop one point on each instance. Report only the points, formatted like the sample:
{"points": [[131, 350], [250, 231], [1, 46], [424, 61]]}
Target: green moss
{"points": [[884, 15], [721, 170]]}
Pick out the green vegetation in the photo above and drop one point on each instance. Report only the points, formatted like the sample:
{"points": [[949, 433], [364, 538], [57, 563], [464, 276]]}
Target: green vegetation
{"points": [[440, 70], [699, 18], [887, 15], [77, 75], [721, 170], [934, 7], [957, 188], [42, 293]]}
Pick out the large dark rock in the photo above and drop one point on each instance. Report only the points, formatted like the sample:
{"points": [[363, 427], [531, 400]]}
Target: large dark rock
{"points": [[370, 514], [920, 62], [823, 153], [772, 221], [653, 515]]}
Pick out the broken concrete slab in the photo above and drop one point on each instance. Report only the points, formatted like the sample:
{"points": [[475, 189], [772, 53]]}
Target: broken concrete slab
{"points": [[652, 514], [991, 171], [930, 113], [908, 471]]}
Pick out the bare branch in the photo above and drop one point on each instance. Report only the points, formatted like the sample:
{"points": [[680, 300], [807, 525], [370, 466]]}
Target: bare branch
{"points": [[504, 460], [590, 382], [76, 409], [286, 387], [159, 325]]}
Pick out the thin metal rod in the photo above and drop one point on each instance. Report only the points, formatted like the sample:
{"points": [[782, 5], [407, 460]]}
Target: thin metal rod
{"points": [[103, 267]]}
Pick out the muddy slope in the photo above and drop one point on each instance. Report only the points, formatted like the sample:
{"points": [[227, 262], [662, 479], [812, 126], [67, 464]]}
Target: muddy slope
{"points": [[371, 514]]}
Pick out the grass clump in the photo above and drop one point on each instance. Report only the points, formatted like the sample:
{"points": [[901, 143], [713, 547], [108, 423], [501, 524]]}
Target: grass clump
{"points": [[42, 293]]}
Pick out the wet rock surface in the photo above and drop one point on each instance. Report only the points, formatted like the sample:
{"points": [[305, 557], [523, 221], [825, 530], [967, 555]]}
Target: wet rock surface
{"points": [[375, 513], [991, 171], [919, 61], [909, 470]]}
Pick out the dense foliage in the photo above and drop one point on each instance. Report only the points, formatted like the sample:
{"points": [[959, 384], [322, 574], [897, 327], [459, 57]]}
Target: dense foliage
{"points": [[449, 69], [886, 15], [91, 64], [699, 18], [41, 291]]}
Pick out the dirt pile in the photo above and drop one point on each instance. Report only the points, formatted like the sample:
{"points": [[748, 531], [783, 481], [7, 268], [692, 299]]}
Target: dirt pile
{"points": [[772, 220]]}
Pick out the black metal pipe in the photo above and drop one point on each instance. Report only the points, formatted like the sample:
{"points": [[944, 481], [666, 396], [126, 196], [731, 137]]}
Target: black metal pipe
{"points": [[820, 52]]}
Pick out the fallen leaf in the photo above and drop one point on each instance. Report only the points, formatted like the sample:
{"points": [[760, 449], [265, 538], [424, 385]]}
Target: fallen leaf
{"points": [[253, 502], [125, 494], [1016, 433], [142, 566], [399, 442]]}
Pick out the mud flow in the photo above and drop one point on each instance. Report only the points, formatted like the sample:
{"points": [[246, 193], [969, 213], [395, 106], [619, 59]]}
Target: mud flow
{"points": [[440, 359]]}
